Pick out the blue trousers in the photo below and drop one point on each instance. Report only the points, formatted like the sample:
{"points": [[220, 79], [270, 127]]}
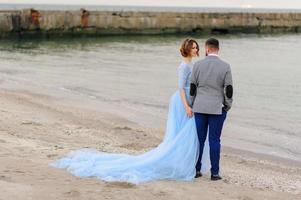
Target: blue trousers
{"points": [[215, 125]]}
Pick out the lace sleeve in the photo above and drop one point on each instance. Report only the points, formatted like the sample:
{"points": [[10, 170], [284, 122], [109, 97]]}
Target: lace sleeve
{"points": [[183, 73]]}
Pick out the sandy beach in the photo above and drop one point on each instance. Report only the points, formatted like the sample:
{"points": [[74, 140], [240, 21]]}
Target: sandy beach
{"points": [[36, 129]]}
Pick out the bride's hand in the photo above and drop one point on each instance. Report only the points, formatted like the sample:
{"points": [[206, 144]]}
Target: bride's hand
{"points": [[189, 111]]}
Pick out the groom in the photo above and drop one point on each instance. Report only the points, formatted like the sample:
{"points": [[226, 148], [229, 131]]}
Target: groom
{"points": [[211, 96]]}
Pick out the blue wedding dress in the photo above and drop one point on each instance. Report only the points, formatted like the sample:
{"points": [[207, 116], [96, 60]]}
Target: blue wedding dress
{"points": [[174, 159]]}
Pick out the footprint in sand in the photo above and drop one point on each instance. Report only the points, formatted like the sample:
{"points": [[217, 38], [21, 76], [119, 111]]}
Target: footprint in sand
{"points": [[52, 155], [226, 181], [31, 123], [161, 194], [58, 147], [122, 185], [242, 161], [123, 128], [245, 198], [19, 172], [72, 193], [5, 178]]}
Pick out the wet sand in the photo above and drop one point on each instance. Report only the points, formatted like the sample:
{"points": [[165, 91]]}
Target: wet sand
{"points": [[36, 130]]}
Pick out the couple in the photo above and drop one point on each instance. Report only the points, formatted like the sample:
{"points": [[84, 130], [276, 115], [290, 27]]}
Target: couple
{"points": [[196, 110]]}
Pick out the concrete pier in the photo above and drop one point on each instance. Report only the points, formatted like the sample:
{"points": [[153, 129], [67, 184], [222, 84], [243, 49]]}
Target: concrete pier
{"points": [[31, 22]]}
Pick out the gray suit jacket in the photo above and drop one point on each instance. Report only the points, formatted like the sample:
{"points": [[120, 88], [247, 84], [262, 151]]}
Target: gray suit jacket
{"points": [[211, 86]]}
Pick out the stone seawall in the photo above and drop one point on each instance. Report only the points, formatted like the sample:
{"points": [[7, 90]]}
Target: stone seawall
{"points": [[30, 22]]}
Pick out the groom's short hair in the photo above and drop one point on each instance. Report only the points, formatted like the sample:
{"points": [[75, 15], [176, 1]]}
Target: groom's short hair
{"points": [[212, 43]]}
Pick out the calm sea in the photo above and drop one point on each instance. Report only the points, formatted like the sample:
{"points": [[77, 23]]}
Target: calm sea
{"points": [[134, 77]]}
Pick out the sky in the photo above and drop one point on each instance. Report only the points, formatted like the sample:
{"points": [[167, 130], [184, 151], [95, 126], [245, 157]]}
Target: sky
{"points": [[295, 4]]}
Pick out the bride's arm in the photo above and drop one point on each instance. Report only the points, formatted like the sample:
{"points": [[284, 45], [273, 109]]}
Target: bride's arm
{"points": [[182, 75], [185, 102]]}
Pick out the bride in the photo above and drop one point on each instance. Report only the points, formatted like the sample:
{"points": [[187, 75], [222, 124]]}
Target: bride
{"points": [[174, 159]]}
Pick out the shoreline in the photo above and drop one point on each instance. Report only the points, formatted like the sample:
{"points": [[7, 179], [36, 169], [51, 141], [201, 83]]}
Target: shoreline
{"points": [[262, 156]]}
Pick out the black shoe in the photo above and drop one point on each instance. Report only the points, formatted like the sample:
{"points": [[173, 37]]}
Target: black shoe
{"points": [[198, 174], [215, 177]]}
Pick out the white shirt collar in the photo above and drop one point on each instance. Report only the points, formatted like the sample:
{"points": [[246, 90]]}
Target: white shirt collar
{"points": [[212, 54]]}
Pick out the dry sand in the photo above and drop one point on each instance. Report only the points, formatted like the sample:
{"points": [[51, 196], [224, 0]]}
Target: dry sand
{"points": [[36, 130]]}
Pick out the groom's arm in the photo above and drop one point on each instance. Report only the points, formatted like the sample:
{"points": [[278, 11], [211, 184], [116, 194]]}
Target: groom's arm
{"points": [[228, 90]]}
